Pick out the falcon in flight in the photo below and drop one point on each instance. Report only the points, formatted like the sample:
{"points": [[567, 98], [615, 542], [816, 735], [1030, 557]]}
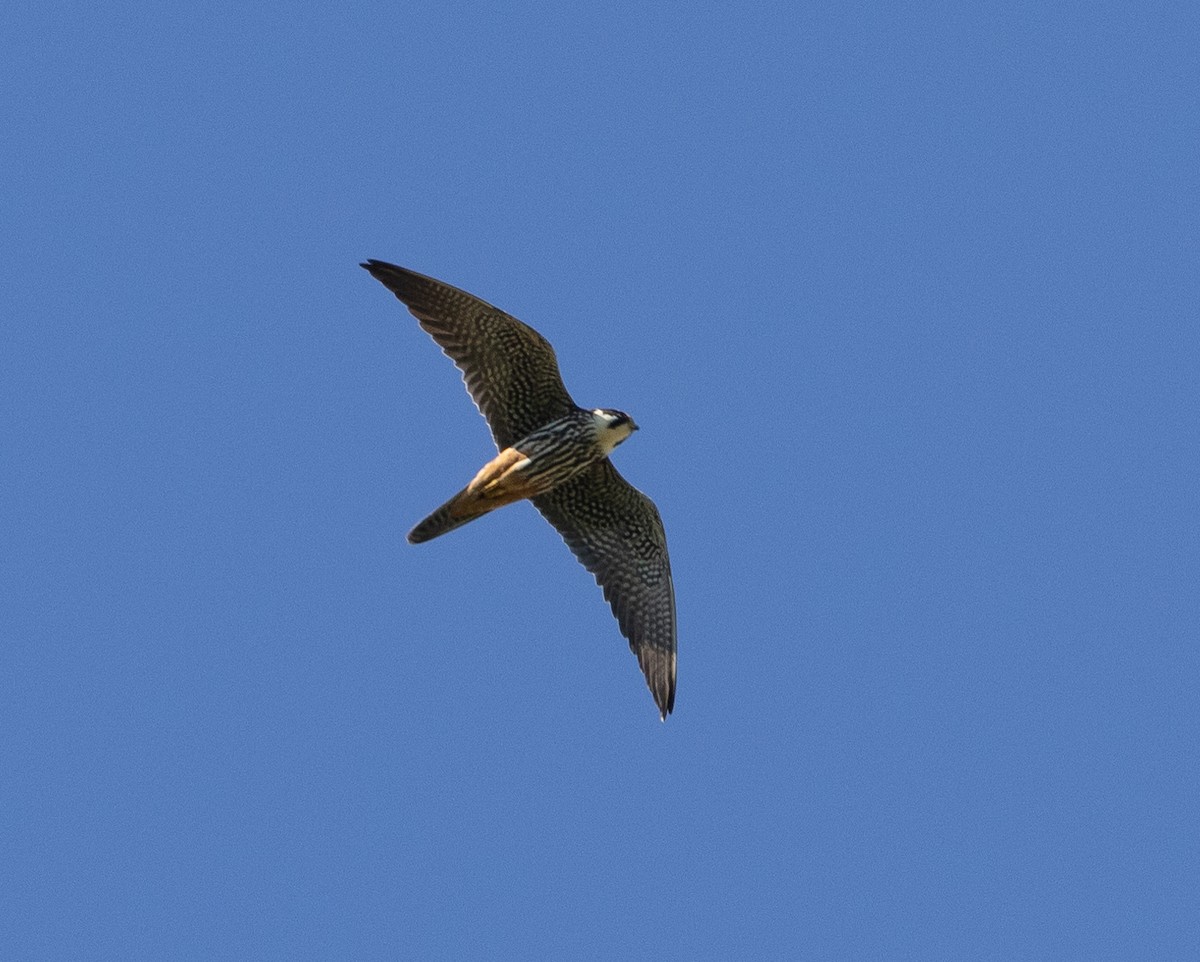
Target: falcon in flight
{"points": [[554, 453]]}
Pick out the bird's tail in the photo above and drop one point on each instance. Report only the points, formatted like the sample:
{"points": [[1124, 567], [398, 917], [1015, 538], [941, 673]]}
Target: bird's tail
{"points": [[463, 507]]}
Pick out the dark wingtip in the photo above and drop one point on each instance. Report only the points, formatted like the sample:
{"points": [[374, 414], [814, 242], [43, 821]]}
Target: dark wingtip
{"points": [[665, 702], [665, 699], [659, 668], [407, 285]]}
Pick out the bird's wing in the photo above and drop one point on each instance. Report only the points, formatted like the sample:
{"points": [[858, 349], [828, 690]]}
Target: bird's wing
{"points": [[616, 532], [508, 367]]}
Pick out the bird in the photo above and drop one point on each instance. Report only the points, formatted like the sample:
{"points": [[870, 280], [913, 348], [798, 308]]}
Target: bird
{"points": [[555, 454]]}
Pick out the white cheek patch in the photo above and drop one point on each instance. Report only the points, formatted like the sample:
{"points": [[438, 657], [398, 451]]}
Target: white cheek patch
{"points": [[610, 437]]}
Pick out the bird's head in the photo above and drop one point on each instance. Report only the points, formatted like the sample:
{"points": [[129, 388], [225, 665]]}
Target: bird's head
{"points": [[612, 427]]}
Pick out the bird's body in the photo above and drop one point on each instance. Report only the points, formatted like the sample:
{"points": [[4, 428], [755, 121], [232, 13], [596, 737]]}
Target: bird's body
{"points": [[534, 465], [554, 453]]}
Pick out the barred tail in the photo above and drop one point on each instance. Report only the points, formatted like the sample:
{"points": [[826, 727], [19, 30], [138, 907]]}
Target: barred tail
{"points": [[460, 509]]}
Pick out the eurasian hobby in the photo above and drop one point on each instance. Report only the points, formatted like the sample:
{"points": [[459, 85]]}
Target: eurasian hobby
{"points": [[554, 453]]}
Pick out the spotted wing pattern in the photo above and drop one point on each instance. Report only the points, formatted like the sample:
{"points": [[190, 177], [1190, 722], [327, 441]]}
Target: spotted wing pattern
{"points": [[510, 370], [616, 532]]}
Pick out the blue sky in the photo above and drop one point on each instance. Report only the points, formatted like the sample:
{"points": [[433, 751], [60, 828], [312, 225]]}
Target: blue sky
{"points": [[905, 300]]}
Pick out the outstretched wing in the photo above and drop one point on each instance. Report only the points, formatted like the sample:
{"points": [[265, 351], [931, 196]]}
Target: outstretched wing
{"points": [[508, 367], [616, 532]]}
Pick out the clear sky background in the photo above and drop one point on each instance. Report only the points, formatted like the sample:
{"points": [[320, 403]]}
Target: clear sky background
{"points": [[905, 299]]}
